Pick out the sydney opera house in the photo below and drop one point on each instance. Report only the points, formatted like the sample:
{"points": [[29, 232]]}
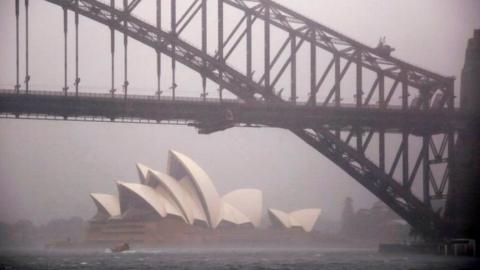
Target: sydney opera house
{"points": [[183, 205]]}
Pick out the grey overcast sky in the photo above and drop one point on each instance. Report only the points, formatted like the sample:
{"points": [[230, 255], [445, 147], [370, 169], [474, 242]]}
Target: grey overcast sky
{"points": [[47, 169]]}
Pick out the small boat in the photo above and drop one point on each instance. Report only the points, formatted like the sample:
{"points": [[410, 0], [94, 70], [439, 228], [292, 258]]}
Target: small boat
{"points": [[120, 248]]}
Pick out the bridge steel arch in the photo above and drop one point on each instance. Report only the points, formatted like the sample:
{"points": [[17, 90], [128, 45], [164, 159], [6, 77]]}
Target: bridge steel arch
{"points": [[351, 157]]}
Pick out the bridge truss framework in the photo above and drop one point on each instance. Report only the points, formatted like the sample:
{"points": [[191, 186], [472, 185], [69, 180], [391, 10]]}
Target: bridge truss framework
{"points": [[335, 129]]}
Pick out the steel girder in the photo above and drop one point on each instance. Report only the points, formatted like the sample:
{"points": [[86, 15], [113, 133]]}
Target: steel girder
{"points": [[261, 113], [337, 43], [149, 35], [419, 215], [399, 198]]}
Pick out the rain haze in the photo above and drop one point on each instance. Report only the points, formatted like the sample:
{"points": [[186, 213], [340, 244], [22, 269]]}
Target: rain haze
{"points": [[48, 168]]}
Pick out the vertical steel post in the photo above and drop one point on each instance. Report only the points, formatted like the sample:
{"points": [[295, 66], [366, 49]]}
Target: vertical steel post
{"points": [[125, 49], [426, 169], [112, 47], [381, 149], [159, 55], [65, 29], [451, 94], [17, 14], [381, 91], [405, 159], [204, 48], [358, 98], [267, 49], [404, 91], [359, 136], [293, 68], [173, 25], [338, 97], [451, 166], [77, 79], [313, 69], [220, 42], [27, 75], [249, 45], [359, 94]]}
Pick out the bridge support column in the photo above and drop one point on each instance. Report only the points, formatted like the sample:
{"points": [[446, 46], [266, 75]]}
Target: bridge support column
{"points": [[464, 190], [337, 81], [173, 25], [405, 159], [313, 70], [159, 55], [381, 150], [249, 46], [77, 78], [359, 78], [125, 55], [293, 68], [405, 94], [381, 91], [27, 75], [17, 15], [267, 50], [65, 37], [220, 42], [426, 169], [204, 47], [112, 49]]}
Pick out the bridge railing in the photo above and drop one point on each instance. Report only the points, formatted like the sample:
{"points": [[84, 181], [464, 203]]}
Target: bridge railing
{"points": [[157, 98], [117, 96]]}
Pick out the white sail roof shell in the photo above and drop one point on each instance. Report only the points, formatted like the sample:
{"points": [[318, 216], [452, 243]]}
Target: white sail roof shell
{"points": [[304, 218], [152, 197], [232, 215], [193, 200], [142, 173], [249, 202], [279, 217], [187, 191], [206, 191], [176, 194], [108, 203]]}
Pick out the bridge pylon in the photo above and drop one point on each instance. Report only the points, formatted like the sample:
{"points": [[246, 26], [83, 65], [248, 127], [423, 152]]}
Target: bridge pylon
{"points": [[464, 192]]}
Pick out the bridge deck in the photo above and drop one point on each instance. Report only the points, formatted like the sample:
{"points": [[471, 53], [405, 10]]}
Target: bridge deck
{"points": [[188, 110]]}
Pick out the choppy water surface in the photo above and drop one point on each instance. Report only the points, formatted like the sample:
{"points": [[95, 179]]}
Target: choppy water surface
{"points": [[244, 258]]}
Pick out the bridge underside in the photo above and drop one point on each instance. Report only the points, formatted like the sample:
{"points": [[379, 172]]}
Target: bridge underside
{"points": [[199, 112]]}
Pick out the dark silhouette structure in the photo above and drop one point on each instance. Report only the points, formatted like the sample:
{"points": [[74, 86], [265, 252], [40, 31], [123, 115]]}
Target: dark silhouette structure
{"points": [[464, 194]]}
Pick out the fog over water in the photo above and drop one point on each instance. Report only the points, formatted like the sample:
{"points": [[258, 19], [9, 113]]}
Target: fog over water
{"points": [[47, 169]]}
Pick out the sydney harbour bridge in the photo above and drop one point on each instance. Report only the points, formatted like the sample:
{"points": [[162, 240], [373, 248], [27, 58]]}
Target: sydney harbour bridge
{"points": [[353, 100]]}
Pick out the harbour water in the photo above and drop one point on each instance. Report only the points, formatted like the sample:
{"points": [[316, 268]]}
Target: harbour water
{"points": [[232, 258]]}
